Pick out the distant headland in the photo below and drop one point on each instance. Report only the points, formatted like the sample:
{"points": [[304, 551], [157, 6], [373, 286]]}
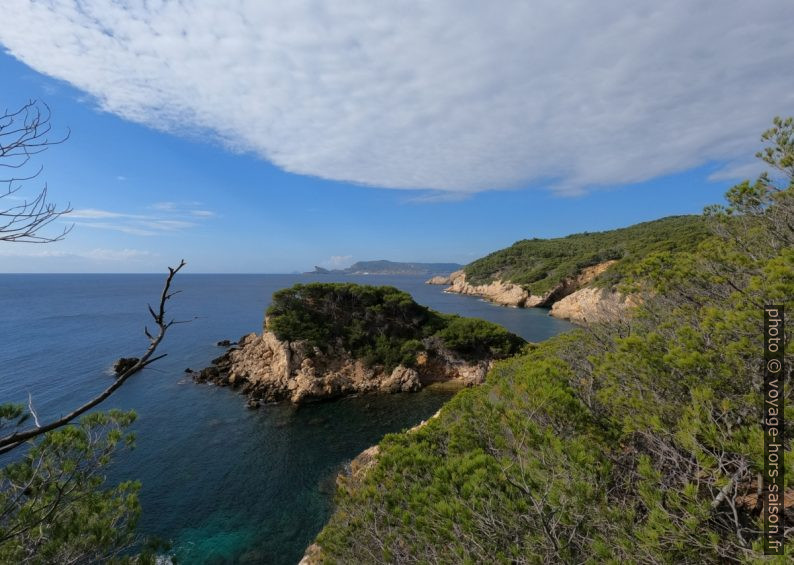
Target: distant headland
{"points": [[383, 267]]}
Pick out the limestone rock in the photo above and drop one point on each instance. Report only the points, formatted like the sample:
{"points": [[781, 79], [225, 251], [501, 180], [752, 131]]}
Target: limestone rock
{"points": [[498, 292], [312, 556], [593, 305], [439, 279], [270, 370], [571, 299]]}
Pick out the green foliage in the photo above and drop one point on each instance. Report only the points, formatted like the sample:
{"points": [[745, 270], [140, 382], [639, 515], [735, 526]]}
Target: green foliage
{"points": [[379, 324], [636, 441], [540, 264], [53, 507], [475, 338], [12, 415]]}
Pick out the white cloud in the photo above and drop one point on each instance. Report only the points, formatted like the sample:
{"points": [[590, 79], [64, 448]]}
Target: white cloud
{"points": [[447, 95], [165, 206], [98, 254], [170, 217], [168, 225], [738, 170], [338, 262], [119, 227], [118, 254], [93, 213]]}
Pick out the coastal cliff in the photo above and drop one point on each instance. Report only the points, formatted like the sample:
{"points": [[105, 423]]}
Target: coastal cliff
{"points": [[570, 299], [498, 291], [268, 369], [594, 305]]}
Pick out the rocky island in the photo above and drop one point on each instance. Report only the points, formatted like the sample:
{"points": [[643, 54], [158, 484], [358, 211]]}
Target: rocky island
{"points": [[325, 340]]}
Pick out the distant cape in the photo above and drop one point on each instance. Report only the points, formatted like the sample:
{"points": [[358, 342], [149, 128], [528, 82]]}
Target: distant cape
{"points": [[390, 268]]}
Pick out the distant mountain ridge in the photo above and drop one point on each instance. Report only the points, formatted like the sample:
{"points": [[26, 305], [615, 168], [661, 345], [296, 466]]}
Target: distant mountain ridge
{"points": [[383, 267]]}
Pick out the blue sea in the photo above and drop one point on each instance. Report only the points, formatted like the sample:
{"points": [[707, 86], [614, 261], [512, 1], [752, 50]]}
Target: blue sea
{"points": [[222, 483]]}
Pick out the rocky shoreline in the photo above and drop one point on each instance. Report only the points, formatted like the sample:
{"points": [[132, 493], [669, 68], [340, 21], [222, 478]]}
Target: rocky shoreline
{"points": [[269, 370], [572, 299]]}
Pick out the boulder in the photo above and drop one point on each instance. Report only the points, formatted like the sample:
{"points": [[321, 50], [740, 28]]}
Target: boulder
{"points": [[123, 364]]}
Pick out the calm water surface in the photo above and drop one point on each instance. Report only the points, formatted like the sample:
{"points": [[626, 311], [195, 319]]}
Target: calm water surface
{"points": [[224, 484]]}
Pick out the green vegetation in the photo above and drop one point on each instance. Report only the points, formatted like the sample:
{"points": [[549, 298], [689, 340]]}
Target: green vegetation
{"points": [[540, 264], [638, 441], [53, 507], [379, 324]]}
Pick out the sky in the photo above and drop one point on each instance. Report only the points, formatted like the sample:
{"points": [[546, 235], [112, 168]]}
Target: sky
{"points": [[270, 137]]}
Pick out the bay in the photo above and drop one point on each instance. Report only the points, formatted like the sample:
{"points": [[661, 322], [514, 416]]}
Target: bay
{"points": [[222, 483]]}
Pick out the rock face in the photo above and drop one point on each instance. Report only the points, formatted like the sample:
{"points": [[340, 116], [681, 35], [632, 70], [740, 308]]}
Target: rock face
{"points": [[593, 305], [271, 370], [571, 299], [498, 292], [440, 279]]}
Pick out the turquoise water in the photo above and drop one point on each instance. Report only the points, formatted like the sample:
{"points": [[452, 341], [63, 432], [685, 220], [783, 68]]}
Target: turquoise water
{"points": [[224, 484]]}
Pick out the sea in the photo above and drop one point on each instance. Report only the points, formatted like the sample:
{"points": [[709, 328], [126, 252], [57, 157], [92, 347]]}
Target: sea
{"points": [[221, 483]]}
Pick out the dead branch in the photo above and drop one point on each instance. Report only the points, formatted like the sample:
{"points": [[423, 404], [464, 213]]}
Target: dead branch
{"points": [[24, 133], [16, 439]]}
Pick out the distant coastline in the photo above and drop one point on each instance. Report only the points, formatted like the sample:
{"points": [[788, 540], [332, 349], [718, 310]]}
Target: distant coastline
{"points": [[383, 267]]}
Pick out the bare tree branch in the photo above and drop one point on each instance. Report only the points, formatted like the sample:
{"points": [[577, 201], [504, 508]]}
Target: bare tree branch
{"points": [[16, 439], [24, 133], [33, 411]]}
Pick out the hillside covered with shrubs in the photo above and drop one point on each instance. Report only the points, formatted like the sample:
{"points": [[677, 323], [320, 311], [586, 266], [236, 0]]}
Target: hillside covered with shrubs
{"points": [[638, 441], [540, 264]]}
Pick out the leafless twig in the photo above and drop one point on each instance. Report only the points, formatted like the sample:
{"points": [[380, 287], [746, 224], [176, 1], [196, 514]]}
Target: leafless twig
{"points": [[24, 133], [16, 439]]}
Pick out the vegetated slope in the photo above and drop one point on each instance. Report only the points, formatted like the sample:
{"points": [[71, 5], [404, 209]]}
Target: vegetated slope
{"points": [[633, 442], [540, 264], [379, 324]]}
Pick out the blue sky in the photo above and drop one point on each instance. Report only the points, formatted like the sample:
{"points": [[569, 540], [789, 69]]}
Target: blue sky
{"points": [[156, 177]]}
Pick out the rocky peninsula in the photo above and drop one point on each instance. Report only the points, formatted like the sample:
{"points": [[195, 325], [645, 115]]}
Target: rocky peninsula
{"points": [[325, 340], [578, 277], [570, 299]]}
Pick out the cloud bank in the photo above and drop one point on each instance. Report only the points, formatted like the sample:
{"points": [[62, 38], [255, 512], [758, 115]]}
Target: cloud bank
{"points": [[456, 96]]}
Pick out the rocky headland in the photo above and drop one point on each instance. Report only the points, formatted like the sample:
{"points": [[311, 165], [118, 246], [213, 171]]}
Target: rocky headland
{"points": [[570, 299], [576, 277]]}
